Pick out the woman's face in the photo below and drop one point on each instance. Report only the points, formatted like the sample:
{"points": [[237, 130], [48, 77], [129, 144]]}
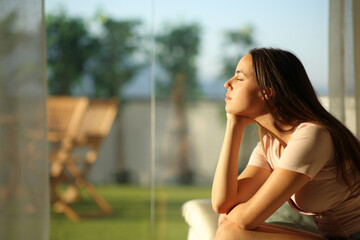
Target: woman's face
{"points": [[243, 96]]}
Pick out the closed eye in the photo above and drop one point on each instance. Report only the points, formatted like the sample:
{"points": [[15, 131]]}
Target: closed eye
{"points": [[240, 79]]}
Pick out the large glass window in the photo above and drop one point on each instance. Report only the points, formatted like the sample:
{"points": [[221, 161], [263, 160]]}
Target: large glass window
{"points": [[166, 62]]}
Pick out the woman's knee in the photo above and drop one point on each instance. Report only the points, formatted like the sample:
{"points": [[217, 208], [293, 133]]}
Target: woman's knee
{"points": [[228, 231]]}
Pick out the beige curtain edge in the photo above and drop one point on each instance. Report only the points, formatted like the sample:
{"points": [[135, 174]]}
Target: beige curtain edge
{"points": [[336, 64], [356, 35]]}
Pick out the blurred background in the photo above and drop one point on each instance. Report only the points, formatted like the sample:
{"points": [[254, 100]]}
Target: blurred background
{"points": [[103, 49], [162, 64]]}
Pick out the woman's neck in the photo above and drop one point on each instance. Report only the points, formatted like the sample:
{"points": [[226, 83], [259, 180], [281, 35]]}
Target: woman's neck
{"points": [[267, 122]]}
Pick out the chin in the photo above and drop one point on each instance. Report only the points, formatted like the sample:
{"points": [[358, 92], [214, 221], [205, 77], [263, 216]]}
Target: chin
{"points": [[228, 110], [231, 111]]}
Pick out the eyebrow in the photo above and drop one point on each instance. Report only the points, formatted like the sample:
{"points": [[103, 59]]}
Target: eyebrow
{"points": [[239, 71]]}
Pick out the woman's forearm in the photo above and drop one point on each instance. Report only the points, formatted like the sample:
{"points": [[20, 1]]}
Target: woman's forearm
{"points": [[224, 188]]}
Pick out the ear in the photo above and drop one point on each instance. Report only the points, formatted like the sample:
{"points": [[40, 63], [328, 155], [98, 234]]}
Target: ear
{"points": [[268, 93]]}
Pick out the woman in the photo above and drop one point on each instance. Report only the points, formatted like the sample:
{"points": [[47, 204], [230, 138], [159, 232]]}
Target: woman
{"points": [[305, 156]]}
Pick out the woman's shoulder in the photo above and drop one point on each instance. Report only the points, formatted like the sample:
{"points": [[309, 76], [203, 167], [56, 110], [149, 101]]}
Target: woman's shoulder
{"points": [[311, 126], [316, 132], [312, 133]]}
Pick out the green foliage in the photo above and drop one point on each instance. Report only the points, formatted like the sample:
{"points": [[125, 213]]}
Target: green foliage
{"points": [[113, 64], [177, 48], [69, 46], [236, 45], [106, 58]]}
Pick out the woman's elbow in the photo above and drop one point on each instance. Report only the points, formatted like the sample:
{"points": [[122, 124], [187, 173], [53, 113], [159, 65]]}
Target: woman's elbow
{"points": [[219, 207]]}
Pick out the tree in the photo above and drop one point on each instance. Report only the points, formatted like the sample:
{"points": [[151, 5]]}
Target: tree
{"points": [[69, 46], [106, 58], [114, 64], [177, 48], [236, 44]]}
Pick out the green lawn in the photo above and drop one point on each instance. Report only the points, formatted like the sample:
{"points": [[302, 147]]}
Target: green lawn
{"points": [[131, 218]]}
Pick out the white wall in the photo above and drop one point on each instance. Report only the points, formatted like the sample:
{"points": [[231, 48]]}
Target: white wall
{"points": [[206, 126]]}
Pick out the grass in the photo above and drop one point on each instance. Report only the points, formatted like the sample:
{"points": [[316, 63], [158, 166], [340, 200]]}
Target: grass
{"points": [[131, 217]]}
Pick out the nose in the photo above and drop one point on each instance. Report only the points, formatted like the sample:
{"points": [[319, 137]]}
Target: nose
{"points": [[227, 85]]}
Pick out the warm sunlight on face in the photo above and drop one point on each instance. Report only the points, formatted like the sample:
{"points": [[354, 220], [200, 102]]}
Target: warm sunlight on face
{"points": [[243, 95]]}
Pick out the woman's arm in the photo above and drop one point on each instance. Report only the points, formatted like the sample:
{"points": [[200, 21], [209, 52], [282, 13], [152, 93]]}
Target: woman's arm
{"points": [[276, 190], [224, 186], [310, 148], [228, 189]]}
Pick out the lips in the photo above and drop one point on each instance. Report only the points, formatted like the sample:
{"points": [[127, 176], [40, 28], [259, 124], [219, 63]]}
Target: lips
{"points": [[227, 97]]}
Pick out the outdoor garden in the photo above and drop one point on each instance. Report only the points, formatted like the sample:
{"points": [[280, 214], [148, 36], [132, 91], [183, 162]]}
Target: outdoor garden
{"points": [[97, 58], [131, 218]]}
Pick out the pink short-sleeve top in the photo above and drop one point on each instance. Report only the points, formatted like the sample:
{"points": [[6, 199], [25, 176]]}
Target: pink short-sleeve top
{"points": [[335, 208]]}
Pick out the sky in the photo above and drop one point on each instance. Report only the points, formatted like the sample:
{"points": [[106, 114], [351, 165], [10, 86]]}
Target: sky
{"points": [[300, 26]]}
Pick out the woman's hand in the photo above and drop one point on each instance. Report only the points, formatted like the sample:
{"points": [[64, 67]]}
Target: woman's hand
{"points": [[222, 218], [239, 119], [225, 186]]}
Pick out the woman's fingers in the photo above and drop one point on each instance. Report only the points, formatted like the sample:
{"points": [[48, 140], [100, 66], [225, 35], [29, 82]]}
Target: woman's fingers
{"points": [[240, 119]]}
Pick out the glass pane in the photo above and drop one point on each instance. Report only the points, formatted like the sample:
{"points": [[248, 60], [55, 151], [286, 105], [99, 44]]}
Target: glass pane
{"points": [[198, 45], [101, 50]]}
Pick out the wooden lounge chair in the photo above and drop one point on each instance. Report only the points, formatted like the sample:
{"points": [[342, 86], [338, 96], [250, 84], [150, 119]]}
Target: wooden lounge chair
{"points": [[95, 126], [64, 115]]}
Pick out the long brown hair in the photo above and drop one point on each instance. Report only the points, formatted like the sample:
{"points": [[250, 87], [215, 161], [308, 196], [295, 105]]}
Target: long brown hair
{"points": [[294, 101]]}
